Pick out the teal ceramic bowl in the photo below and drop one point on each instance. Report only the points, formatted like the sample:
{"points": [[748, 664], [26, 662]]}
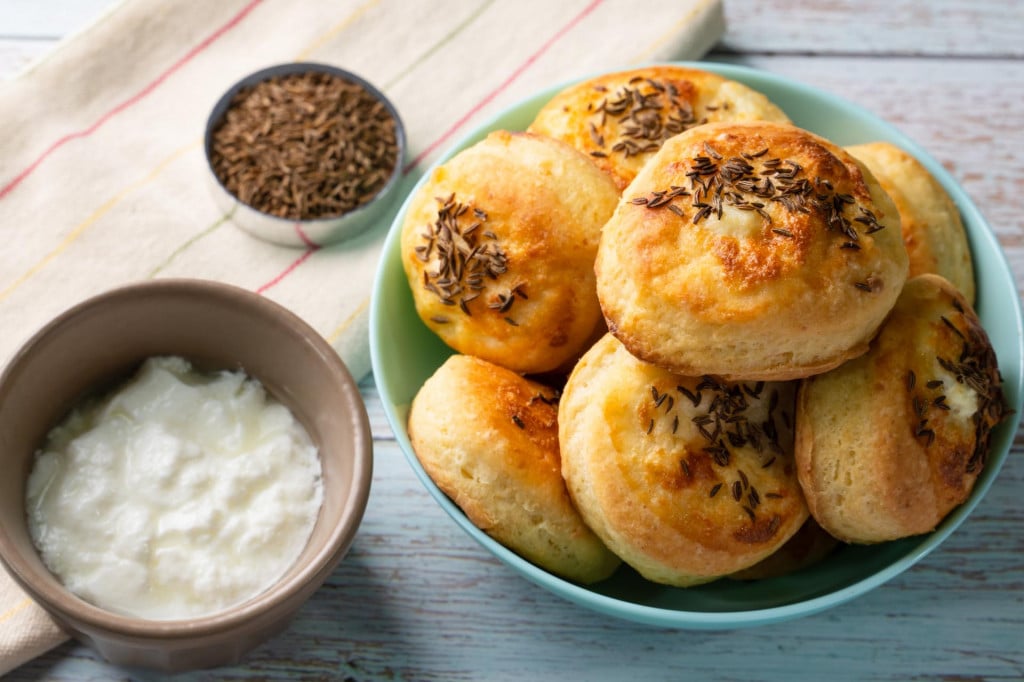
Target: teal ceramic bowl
{"points": [[405, 353]]}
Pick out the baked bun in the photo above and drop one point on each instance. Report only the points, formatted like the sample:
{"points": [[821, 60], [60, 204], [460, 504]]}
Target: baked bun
{"points": [[889, 443], [932, 230], [489, 439], [686, 479], [810, 545], [751, 251], [499, 244], [621, 119]]}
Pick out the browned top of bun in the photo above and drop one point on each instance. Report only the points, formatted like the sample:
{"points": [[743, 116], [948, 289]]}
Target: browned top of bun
{"points": [[738, 242], [498, 245], [620, 119], [686, 478]]}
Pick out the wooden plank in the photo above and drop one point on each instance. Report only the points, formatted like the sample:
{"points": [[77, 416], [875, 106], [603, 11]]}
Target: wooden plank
{"points": [[50, 19], [17, 54], [30, 29], [965, 28]]}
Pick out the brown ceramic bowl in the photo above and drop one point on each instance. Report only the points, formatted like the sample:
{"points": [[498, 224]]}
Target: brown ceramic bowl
{"points": [[104, 339]]}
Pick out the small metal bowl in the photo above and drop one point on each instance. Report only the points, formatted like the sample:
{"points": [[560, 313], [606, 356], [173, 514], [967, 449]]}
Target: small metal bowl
{"points": [[309, 232]]}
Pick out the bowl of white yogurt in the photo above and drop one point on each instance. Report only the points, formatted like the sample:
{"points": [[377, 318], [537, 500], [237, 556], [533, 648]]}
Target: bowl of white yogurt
{"points": [[188, 462]]}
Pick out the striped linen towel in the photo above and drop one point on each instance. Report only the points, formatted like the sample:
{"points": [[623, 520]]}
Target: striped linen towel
{"points": [[103, 179]]}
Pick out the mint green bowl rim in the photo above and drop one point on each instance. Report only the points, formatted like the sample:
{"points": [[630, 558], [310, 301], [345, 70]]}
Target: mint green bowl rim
{"points": [[992, 272]]}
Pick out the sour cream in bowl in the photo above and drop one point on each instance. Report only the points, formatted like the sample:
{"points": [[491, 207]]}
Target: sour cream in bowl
{"points": [[163, 441], [177, 495]]}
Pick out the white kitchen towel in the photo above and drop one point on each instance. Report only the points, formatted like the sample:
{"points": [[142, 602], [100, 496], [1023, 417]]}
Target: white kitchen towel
{"points": [[103, 179]]}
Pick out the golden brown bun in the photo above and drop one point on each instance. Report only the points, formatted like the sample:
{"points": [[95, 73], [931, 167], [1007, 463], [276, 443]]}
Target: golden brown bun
{"points": [[791, 277], [932, 230], [683, 492], [621, 119], [515, 283], [489, 439], [890, 442], [810, 545]]}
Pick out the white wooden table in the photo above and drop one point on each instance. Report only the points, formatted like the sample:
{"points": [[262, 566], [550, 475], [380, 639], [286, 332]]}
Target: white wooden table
{"points": [[417, 599]]}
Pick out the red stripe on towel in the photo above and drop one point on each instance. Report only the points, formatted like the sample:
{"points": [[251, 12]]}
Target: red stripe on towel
{"points": [[130, 101], [311, 248], [498, 90], [288, 270], [458, 124], [304, 238]]}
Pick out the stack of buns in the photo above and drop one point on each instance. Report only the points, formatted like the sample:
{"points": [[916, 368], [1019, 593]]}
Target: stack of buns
{"points": [[772, 235], [689, 336]]}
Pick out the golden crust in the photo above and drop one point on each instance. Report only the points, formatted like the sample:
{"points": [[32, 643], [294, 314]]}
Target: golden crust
{"points": [[810, 545], [686, 479], [932, 230], [889, 443], [602, 117], [521, 294], [791, 278], [489, 439]]}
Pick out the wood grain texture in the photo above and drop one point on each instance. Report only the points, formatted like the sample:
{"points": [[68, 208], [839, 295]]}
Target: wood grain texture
{"points": [[417, 599], [17, 53], [30, 29], [889, 28]]}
